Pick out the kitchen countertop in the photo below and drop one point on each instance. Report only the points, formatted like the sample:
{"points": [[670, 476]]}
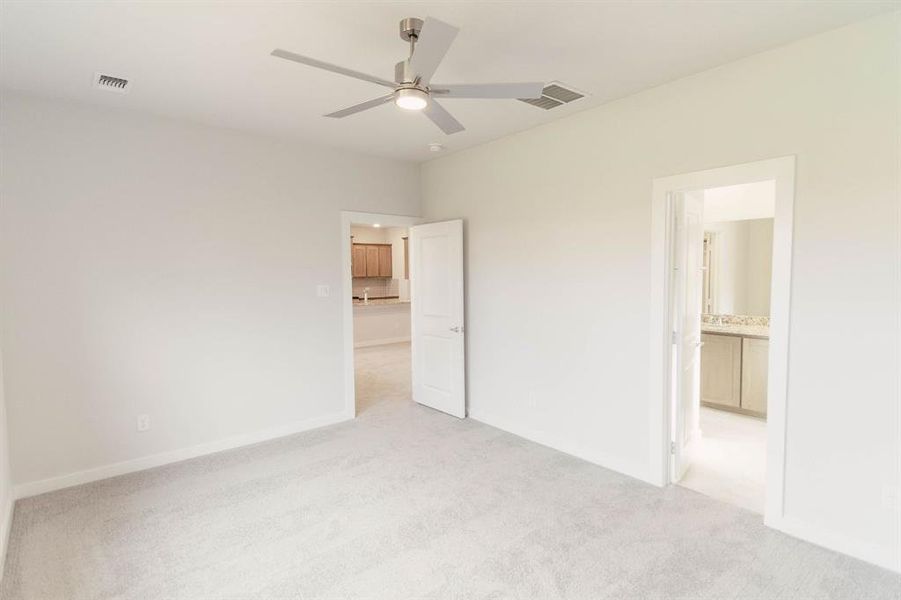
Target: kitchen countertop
{"points": [[380, 302], [754, 331]]}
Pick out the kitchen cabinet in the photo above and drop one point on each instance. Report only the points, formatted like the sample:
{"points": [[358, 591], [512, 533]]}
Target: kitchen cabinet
{"points": [[734, 372], [371, 260], [384, 261], [721, 370], [358, 260]]}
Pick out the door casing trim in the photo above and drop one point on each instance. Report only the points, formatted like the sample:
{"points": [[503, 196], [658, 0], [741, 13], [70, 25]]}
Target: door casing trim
{"points": [[782, 171]]}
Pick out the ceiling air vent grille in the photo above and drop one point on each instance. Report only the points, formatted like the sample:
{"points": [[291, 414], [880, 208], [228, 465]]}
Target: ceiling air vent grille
{"points": [[553, 95], [110, 83]]}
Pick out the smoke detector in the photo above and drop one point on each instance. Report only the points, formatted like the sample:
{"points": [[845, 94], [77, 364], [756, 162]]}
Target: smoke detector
{"points": [[436, 147], [109, 83]]}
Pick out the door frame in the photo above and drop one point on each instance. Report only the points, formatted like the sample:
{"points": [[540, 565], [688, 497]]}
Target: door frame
{"points": [[349, 218], [782, 171]]}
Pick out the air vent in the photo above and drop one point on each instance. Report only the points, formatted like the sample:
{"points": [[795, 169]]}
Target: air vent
{"points": [[553, 95], [110, 83]]}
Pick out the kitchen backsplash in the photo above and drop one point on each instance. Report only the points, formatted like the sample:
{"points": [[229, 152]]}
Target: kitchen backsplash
{"points": [[378, 287], [735, 320]]}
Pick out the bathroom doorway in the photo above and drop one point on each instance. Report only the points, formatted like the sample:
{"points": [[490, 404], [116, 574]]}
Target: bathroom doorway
{"points": [[735, 243], [722, 252]]}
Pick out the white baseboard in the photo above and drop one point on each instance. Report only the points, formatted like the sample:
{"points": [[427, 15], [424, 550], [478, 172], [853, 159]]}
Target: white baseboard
{"points": [[821, 536], [33, 488], [640, 472], [381, 342], [6, 522]]}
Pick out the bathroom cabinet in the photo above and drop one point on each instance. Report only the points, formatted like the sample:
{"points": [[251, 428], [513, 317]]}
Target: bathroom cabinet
{"points": [[734, 372]]}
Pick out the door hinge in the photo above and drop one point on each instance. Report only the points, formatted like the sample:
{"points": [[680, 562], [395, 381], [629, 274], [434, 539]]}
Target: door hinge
{"points": [[675, 337], [672, 447]]}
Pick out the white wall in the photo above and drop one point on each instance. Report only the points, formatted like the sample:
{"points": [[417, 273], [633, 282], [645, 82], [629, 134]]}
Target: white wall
{"points": [[743, 266], [159, 267], [566, 363], [369, 235], [378, 324], [738, 202], [6, 484]]}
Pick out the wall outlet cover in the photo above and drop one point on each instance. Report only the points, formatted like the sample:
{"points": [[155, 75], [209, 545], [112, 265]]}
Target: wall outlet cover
{"points": [[322, 291], [143, 423]]}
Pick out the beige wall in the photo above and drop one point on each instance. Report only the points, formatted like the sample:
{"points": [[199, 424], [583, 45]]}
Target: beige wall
{"points": [[570, 202]]}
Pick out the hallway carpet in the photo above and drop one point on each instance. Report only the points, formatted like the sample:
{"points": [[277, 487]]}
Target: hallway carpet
{"points": [[406, 502]]}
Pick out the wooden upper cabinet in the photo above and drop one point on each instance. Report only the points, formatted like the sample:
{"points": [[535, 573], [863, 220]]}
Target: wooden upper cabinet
{"points": [[384, 261], [371, 260], [358, 260]]}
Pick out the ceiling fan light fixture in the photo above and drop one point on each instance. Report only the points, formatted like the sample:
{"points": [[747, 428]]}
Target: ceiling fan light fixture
{"points": [[411, 98]]}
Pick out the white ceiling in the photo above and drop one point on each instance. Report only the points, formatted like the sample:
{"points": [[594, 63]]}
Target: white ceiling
{"points": [[740, 202], [209, 61]]}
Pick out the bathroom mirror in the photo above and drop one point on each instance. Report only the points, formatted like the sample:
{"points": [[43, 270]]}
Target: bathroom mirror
{"points": [[738, 265]]}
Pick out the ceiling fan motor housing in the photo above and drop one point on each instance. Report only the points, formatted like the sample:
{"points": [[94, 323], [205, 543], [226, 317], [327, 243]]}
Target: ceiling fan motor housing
{"points": [[410, 28], [403, 73]]}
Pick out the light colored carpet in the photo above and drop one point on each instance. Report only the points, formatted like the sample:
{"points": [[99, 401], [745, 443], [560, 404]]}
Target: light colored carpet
{"points": [[730, 459], [405, 502]]}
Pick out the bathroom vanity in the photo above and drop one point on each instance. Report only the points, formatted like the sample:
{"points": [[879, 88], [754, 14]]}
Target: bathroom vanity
{"points": [[734, 364]]}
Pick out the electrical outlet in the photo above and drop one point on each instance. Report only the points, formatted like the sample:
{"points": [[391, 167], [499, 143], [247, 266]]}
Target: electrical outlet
{"points": [[891, 497], [143, 423], [322, 291]]}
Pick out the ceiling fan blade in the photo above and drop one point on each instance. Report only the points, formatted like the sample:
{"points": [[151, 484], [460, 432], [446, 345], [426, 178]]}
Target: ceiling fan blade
{"points": [[306, 60], [488, 90], [443, 119], [434, 40], [350, 110]]}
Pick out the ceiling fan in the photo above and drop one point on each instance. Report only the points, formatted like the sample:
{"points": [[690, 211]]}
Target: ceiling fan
{"points": [[412, 88]]}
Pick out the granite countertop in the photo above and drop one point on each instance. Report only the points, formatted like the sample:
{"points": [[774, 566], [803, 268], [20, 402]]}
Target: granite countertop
{"points": [[380, 302], [757, 331]]}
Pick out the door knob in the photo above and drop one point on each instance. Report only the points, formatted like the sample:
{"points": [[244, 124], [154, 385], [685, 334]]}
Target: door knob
{"points": [[456, 329]]}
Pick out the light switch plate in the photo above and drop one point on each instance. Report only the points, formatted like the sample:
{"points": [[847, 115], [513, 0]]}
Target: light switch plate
{"points": [[322, 291]]}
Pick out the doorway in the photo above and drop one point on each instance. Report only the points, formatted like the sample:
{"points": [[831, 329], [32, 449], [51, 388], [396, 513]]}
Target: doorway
{"points": [[712, 426], [403, 314], [380, 279], [723, 263]]}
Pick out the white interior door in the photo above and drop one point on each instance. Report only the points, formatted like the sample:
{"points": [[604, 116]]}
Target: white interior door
{"points": [[687, 279], [436, 308]]}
